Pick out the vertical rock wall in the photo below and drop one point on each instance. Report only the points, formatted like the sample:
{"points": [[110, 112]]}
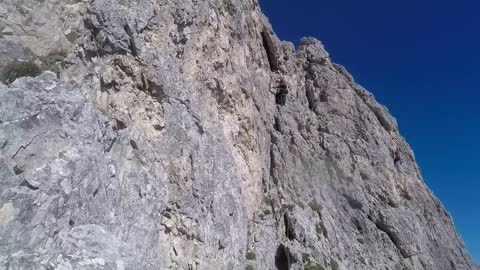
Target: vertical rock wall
{"points": [[163, 147]]}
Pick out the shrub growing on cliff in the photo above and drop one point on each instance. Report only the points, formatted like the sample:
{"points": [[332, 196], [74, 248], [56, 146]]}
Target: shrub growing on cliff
{"points": [[50, 61], [18, 169], [315, 206], [15, 70], [251, 256], [334, 264], [320, 229], [401, 267]]}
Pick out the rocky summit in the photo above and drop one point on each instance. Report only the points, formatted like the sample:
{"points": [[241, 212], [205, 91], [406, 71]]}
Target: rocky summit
{"points": [[183, 134]]}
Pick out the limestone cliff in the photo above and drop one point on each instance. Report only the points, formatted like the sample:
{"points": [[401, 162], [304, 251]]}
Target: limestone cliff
{"points": [[162, 146]]}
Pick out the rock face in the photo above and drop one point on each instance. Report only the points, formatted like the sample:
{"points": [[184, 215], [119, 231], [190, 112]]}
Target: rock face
{"points": [[162, 147]]}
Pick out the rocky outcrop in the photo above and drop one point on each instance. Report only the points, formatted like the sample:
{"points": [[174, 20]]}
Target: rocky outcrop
{"points": [[162, 147]]}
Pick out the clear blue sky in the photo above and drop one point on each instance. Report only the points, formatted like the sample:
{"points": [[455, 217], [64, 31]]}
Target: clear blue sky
{"points": [[421, 58]]}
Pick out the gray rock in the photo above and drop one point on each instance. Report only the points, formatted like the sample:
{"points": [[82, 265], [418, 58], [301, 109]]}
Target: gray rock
{"points": [[162, 147], [39, 26]]}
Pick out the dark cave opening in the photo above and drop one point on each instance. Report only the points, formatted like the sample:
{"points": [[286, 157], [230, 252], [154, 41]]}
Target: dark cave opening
{"points": [[282, 258]]}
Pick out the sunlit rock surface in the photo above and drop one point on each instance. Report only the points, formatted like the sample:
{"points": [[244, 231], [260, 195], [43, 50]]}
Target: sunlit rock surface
{"points": [[161, 146]]}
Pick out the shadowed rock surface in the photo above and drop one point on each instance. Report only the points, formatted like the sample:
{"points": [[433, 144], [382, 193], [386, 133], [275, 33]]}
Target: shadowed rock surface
{"points": [[162, 146]]}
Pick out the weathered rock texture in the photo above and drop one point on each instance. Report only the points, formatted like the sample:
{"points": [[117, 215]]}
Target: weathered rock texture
{"points": [[162, 147]]}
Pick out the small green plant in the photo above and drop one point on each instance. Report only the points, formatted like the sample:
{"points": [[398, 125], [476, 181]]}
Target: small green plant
{"points": [[15, 70], [313, 266], [249, 267], [310, 265], [305, 258], [251, 256], [264, 214], [268, 201], [50, 61], [315, 206], [320, 229], [401, 267], [18, 169], [334, 264]]}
